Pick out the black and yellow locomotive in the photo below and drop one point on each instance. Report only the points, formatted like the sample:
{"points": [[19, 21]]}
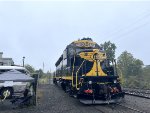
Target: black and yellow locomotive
{"points": [[84, 70]]}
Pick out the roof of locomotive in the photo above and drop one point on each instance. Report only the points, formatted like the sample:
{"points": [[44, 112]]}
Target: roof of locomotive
{"points": [[85, 43]]}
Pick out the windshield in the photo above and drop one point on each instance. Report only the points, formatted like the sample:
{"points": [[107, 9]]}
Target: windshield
{"points": [[20, 70], [78, 50]]}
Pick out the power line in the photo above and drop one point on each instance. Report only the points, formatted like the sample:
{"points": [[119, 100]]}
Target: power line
{"points": [[121, 36], [127, 27], [134, 23]]}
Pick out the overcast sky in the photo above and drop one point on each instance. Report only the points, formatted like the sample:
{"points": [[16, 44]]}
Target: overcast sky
{"points": [[40, 31]]}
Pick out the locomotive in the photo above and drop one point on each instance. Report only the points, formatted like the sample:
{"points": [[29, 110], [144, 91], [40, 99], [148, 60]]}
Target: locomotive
{"points": [[84, 71]]}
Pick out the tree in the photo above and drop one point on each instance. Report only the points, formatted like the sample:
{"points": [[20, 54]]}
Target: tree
{"points": [[131, 69], [146, 76], [129, 65], [30, 68], [110, 49], [40, 72]]}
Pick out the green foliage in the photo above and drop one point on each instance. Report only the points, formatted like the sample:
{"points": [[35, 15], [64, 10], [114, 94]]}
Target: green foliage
{"points": [[30, 68], [129, 65], [40, 72], [134, 75], [109, 48], [146, 77], [129, 69], [44, 78]]}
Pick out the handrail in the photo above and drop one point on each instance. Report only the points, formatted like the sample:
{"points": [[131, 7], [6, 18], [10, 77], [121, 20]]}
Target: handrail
{"points": [[77, 73], [73, 70]]}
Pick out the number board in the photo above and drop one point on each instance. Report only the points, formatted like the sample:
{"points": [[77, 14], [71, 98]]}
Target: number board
{"points": [[85, 44]]}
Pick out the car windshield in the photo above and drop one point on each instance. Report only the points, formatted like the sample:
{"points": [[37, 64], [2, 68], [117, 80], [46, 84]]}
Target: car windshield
{"points": [[20, 70]]}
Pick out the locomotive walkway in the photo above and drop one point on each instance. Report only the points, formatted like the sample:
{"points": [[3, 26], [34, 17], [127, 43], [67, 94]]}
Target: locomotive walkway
{"points": [[52, 99]]}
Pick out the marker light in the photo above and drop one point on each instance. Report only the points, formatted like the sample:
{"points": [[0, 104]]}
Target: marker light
{"points": [[88, 91]]}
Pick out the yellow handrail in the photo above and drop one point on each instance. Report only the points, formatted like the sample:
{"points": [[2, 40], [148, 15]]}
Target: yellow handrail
{"points": [[73, 70], [77, 74]]}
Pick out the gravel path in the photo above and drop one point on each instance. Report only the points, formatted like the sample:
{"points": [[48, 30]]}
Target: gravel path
{"points": [[52, 99]]}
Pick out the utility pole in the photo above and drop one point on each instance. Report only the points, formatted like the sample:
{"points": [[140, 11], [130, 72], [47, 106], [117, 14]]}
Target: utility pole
{"points": [[50, 78], [23, 60], [43, 67]]}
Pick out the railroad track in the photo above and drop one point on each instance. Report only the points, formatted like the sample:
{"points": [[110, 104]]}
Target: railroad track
{"points": [[146, 91], [99, 110], [138, 92], [133, 109], [147, 96], [118, 108]]}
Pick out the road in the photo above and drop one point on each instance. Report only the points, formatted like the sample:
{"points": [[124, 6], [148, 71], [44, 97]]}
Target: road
{"points": [[52, 99]]}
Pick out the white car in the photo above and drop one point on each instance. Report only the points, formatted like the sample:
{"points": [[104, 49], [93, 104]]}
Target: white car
{"points": [[14, 81]]}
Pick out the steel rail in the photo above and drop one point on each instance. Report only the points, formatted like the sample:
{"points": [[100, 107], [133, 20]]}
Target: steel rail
{"points": [[131, 108], [137, 95]]}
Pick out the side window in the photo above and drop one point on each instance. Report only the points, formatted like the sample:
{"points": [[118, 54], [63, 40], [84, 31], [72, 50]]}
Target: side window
{"points": [[4, 70], [65, 58], [71, 51]]}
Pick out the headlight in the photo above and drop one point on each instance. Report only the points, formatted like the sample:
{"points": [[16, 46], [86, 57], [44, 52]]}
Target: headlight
{"points": [[115, 81], [90, 82]]}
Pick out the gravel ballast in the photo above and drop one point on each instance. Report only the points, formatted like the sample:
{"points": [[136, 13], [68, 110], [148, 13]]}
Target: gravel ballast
{"points": [[52, 99]]}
